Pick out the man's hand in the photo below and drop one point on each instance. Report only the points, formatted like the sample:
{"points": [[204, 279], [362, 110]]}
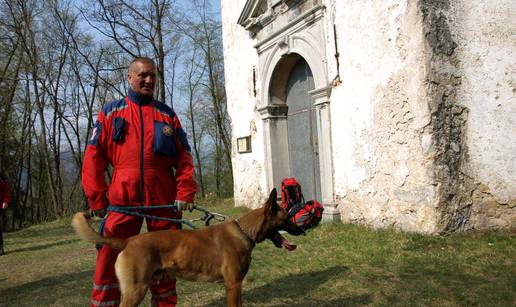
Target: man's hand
{"points": [[183, 205], [101, 213], [5, 205]]}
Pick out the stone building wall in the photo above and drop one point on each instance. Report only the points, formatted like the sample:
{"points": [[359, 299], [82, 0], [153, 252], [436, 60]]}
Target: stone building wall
{"points": [[243, 90], [483, 32], [382, 154], [421, 108], [432, 147]]}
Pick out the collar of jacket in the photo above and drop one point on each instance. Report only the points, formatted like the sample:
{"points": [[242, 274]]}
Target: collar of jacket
{"points": [[139, 98]]}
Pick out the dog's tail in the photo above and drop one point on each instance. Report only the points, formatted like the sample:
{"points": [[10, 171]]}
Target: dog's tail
{"points": [[84, 230]]}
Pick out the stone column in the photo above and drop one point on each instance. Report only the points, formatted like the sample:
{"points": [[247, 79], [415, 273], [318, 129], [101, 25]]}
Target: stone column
{"points": [[321, 98], [276, 143]]}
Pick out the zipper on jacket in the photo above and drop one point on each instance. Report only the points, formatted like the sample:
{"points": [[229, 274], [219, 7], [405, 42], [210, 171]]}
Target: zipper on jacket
{"points": [[142, 196]]}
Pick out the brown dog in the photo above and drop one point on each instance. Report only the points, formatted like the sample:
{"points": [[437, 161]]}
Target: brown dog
{"points": [[218, 253]]}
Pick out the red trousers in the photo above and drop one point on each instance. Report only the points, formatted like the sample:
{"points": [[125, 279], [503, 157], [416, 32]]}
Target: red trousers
{"points": [[105, 284]]}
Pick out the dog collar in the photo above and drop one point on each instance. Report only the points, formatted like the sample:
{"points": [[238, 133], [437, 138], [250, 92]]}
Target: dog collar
{"points": [[248, 237]]}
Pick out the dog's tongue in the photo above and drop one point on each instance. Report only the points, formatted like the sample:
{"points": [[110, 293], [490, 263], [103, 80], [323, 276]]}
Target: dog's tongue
{"points": [[285, 243]]}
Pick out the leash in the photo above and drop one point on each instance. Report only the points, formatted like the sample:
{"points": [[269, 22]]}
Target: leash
{"points": [[136, 211]]}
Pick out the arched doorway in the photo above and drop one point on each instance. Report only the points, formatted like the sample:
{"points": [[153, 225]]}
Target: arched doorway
{"points": [[302, 130], [289, 93], [282, 59]]}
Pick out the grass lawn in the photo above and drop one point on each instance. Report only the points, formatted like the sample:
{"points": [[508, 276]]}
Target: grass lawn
{"points": [[334, 265]]}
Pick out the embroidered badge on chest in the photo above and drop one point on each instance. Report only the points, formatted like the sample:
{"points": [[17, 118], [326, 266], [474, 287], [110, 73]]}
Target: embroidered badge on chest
{"points": [[167, 130]]}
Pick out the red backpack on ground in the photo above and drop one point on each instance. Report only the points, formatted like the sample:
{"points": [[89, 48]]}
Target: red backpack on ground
{"points": [[291, 193], [305, 214]]}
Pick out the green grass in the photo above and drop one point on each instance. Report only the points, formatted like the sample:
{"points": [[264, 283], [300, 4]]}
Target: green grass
{"points": [[334, 265]]}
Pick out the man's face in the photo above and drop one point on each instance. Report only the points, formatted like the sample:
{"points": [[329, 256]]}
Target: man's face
{"points": [[142, 78]]}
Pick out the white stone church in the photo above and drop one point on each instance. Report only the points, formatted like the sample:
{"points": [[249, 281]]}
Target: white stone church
{"points": [[391, 113]]}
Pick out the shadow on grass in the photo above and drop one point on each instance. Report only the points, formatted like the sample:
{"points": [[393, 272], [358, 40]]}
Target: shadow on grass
{"points": [[357, 300], [295, 287], [50, 230], [454, 270], [450, 281], [42, 246], [47, 289]]}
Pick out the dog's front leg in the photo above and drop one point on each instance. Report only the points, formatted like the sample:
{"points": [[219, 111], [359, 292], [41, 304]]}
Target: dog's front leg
{"points": [[234, 294]]}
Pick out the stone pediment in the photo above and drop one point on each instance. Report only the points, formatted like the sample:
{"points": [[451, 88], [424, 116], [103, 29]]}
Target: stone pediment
{"points": [[257, 14]]}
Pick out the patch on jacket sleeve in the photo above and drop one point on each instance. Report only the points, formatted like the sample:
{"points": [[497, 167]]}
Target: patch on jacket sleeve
{"points": [[94, 136], [183, 139]]}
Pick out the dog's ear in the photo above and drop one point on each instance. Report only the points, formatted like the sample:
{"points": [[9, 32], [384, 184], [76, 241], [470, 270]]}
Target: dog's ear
{"points": [[273, 196], [271, 207]]}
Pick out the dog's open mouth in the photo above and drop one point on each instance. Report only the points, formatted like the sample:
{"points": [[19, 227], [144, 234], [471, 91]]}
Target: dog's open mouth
{"points": [[280, 241]]}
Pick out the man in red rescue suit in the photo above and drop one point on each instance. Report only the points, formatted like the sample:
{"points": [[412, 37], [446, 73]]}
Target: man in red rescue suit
{"points": [[144, 142]]}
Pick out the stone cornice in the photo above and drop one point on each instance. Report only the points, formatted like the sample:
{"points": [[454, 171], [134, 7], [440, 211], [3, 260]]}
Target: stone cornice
{"points": [[273, 111], [321, 95], [255, 24], [247, 12], [293, 26]]}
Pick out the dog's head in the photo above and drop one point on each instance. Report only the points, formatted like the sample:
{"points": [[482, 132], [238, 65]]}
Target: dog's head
{"points": [[276, 219]]}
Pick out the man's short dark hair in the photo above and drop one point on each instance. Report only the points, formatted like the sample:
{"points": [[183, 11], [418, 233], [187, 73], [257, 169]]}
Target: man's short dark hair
{"points": [[142, 60]]}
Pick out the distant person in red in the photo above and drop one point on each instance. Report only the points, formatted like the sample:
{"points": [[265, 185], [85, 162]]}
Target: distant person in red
{"points": [[5, 199], [143, 140]]}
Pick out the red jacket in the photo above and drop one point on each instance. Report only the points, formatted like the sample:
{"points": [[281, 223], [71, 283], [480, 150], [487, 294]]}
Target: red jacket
{"points": [[5, 195], [142, 161]]}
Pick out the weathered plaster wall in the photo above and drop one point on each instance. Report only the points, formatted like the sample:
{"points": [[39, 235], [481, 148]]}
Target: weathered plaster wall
{"points": [[382, 153], [484, 34], [427, 106], [470, 69], [240, 58], [448, 115]]}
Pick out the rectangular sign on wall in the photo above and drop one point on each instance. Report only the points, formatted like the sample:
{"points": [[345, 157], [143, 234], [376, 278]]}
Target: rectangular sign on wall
{"points": [[244, 144]]}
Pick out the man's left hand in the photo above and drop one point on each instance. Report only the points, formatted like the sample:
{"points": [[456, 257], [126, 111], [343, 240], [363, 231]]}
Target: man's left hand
{"points": [[183, 205], [5, 205]]}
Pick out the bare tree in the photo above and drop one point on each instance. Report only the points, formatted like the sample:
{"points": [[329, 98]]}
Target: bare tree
{"points": [[51, 75], [24, 16], [205, 34], [137, 28], [55, 76], [193, 77]]}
